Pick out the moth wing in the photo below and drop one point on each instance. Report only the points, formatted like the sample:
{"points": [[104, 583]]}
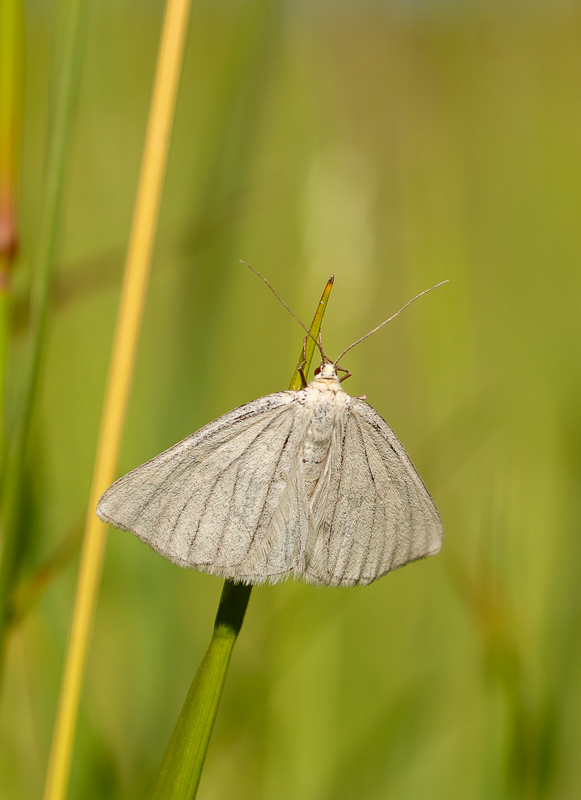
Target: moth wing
{"points": [[214, 501], [373, 513]]}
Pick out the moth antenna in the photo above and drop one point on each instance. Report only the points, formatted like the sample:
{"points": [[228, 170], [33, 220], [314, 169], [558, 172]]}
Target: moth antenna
{"points": [[320, 346], [389, 319], [290, 311]]}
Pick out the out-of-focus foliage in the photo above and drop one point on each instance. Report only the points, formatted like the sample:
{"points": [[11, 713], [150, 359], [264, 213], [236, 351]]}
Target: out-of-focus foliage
{"points": [[394, 149]]}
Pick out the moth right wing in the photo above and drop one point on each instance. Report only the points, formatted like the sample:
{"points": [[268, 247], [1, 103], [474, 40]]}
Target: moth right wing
{"points": [[216, 500], [372, 512]]}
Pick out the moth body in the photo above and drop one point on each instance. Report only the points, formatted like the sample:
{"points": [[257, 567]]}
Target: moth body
{"points": [[325, 406]]}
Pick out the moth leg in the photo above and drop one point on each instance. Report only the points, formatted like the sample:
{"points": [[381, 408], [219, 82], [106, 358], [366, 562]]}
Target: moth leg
{"points": [[345, 376], [301, 366]]}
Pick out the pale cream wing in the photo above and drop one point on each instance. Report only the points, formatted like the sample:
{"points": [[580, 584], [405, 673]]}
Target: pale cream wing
{"points": [[373, 513], [214, 501]]}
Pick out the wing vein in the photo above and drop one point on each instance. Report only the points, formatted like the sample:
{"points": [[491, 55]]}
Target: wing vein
{"points": [[372, 476], [215, 483], [266, 496]]}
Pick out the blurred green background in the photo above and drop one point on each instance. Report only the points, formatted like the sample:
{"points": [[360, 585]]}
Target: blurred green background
{"points": [[394, 144]]}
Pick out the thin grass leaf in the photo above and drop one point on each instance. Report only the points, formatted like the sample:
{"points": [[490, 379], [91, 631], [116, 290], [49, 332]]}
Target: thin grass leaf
{"points": [[64, 108], [181, 768], [11, 40]]}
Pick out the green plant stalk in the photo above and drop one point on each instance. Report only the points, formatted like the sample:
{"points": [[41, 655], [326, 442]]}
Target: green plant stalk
{"points": [[181, 768], [63, 113], [11, 18]]}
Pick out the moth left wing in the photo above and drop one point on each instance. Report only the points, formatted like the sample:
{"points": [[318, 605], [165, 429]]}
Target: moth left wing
{"points": [[214, 500]]}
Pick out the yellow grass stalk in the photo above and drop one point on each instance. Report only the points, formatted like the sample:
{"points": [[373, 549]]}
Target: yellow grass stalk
{"points": [[121, 369]]}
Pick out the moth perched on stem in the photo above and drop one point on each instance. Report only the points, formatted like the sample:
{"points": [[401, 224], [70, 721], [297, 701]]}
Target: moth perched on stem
{"points": [[310, 483]]}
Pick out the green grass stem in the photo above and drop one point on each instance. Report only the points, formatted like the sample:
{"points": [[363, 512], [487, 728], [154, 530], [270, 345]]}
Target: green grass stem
{"points": [[181, 768], [60, 137], [11, 40]]}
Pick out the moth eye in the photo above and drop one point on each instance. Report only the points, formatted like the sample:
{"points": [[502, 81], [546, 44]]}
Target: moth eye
{"points": [[317, 371]]}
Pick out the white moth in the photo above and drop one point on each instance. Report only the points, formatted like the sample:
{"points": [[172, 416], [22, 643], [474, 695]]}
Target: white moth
{"points": [[310, 483]]}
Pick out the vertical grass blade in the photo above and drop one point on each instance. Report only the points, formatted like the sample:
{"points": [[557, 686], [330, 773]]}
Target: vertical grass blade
{"points": [[11, 14], [64, 106], [181, 768], [120, 373], [296, 382]]}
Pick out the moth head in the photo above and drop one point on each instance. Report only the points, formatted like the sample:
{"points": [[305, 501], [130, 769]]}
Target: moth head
{"points": [[326, 369]]}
